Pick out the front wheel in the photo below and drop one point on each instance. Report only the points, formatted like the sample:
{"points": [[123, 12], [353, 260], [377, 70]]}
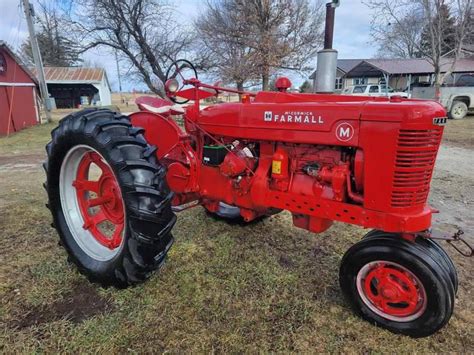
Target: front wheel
{"points": [[397, 285], [108, 197], [458, 110]]}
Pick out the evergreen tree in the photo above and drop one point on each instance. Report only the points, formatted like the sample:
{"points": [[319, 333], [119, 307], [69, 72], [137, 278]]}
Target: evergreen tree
{"points": [[306, 87], [447, 35], [56, 47]]}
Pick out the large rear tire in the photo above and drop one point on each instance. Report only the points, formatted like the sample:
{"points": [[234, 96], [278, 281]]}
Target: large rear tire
{"points": [[108, 197], [397, 284]]}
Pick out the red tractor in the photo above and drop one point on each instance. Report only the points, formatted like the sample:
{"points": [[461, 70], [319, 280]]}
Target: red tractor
{"points": [[115, 181]]}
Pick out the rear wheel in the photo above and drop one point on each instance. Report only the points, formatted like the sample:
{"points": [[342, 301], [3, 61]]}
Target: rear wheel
{"points": [[107, 194], [458, 110], [398, 285]]}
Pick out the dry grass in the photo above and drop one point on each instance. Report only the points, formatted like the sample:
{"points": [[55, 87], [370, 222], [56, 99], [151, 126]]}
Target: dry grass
{"points": [[260, 288]]}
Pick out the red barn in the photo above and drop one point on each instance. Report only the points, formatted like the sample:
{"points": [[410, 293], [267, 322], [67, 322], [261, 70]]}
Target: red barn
{"points": [[18, 93]]}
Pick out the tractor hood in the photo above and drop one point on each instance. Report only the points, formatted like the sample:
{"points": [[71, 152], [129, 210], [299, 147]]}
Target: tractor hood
{"points": [[310, 118]]}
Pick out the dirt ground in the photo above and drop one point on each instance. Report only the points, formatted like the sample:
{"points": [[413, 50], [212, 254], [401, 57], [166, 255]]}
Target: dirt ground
{"points": [[265, 287]]}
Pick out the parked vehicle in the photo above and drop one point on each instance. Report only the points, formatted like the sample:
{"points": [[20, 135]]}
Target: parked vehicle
{"points": [[458, 99], [114, 183], [372, 90]]}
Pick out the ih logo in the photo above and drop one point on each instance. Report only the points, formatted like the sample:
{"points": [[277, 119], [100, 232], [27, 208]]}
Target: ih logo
{"points": [[268, 116], [344, 132]]}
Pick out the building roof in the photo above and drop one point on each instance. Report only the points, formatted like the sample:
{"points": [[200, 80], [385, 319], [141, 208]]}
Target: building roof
{"points": [[417, 66], [344, 65], [73, 75], [379, 67], [463, 65], [347, 64], [11, 53]]}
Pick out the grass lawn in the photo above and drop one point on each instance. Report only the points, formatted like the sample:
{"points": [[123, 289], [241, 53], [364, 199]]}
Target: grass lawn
{"points": [[225, 288]]}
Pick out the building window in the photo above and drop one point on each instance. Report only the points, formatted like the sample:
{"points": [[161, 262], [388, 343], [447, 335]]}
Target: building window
{"points": [[338, 83], [359, 81]]}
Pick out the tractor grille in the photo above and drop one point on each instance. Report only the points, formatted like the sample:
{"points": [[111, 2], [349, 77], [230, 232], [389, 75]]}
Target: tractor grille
{"points": [[416, 155]]}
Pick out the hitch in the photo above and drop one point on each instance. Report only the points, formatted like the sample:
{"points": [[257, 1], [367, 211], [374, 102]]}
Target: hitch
{"points": [[456, 237]]}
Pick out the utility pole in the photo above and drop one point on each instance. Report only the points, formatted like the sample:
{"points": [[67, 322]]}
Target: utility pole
{"points": [[37, 58], [118, 75]]}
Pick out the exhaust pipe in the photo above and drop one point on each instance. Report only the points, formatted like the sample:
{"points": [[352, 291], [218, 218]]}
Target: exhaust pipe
{"points": [[325, 81]]}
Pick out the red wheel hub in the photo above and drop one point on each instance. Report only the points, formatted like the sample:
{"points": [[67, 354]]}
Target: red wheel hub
{"points": [[394, 291], [100, 201]]}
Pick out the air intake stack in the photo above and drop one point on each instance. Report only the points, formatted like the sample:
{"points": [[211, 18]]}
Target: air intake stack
{"points": [[327, 58]]}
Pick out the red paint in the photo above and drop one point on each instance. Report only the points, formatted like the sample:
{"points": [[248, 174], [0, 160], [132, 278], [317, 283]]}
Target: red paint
{"points": [[361, 160], [282, 83], [107, 197], [392, 291], [359, 170], [236, 163], [17, 96], [178, 177]]}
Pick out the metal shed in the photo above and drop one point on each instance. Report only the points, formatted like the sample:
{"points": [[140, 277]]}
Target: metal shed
{"points": [[74, 86]]}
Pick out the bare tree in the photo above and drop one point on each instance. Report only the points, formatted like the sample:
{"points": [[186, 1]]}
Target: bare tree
{"points": [[143, 32], [273, 34], [469, 39], [56, 44], [431, 38], [396, 27], [228, 58]]}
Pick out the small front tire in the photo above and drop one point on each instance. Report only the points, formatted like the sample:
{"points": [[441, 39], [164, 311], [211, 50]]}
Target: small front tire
{"points": [[397, 285], [436, 252]]}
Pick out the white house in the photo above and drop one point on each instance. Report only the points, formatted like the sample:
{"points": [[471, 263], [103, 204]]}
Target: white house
{"points": [[400, 74]]}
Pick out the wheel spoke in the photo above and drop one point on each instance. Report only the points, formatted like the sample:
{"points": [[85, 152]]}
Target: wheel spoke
{"points": [[116, 237], [103, 167], [93, 202], [98, 218], [86, 185], [392, 290]]}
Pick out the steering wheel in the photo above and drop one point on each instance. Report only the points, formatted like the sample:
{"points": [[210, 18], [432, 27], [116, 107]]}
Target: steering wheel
{"points": [[180, 70]]}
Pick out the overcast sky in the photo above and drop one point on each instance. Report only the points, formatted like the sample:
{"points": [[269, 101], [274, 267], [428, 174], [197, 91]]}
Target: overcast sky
{"points": [[351, 38]]}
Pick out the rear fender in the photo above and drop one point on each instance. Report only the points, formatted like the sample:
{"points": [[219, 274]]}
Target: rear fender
{"points": [[174, 146], [160, 131]]}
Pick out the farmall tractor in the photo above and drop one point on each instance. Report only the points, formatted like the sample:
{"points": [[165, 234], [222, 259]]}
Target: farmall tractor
{"points": [[115, 181]]}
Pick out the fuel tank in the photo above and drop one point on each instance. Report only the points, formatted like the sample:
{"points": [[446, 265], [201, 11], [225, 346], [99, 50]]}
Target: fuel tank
{"points": [[312, 118]]}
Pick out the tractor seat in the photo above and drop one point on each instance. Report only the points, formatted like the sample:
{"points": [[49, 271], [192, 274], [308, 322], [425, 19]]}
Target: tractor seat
{"points": [[158, 105]]}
